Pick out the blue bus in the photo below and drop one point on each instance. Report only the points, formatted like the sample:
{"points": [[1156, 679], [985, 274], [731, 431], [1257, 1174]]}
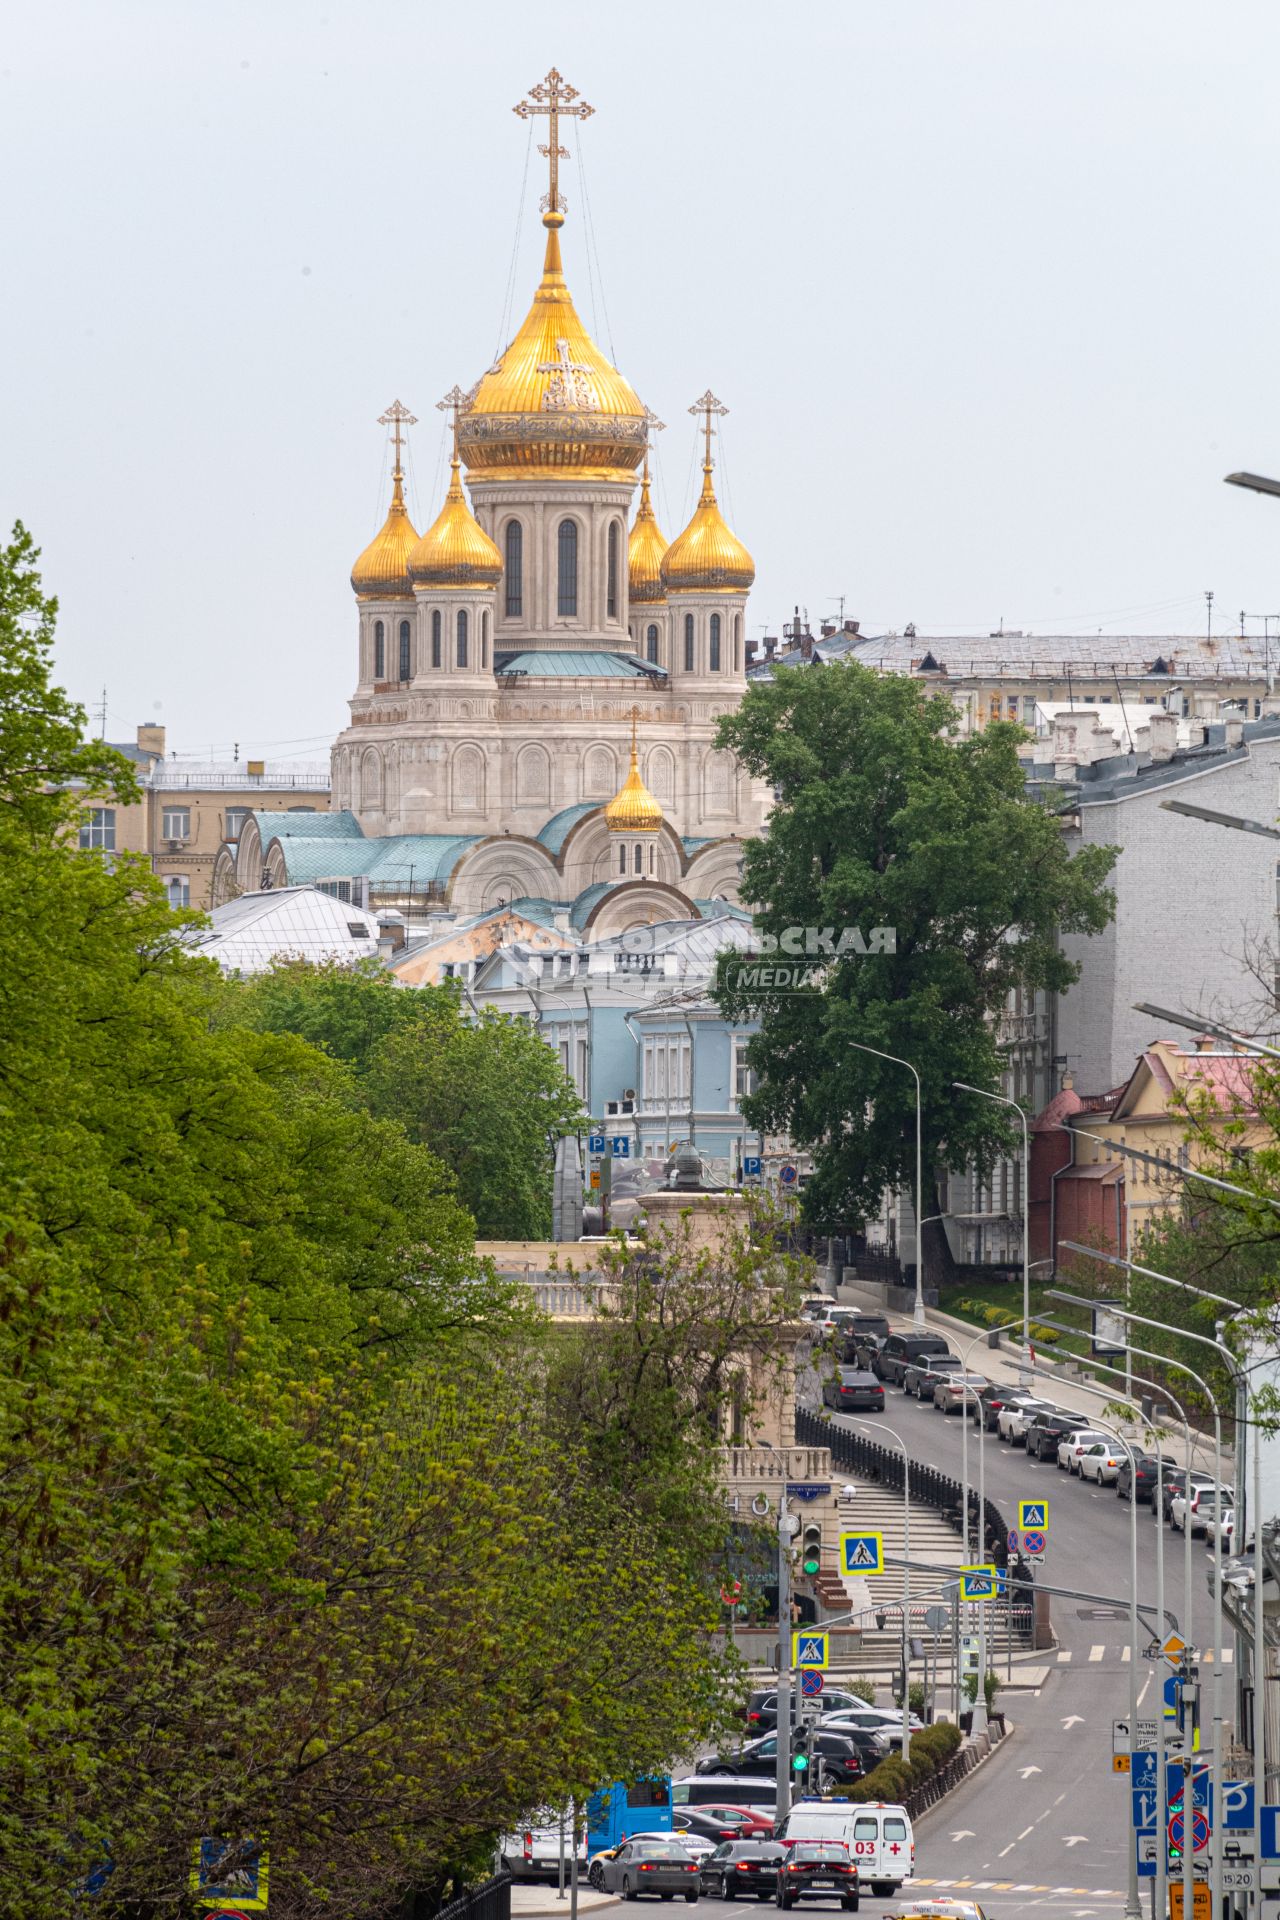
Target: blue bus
{"points": [[641, 1806]]}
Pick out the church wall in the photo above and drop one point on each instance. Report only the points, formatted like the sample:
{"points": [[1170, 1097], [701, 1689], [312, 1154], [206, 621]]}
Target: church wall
{"points": [[540, 507]]}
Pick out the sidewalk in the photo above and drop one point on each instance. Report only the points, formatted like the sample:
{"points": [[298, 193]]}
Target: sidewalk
{"points": [[529, 1900]]}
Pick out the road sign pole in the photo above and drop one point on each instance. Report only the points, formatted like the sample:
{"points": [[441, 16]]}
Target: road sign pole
{"points": [[784, 1661]]}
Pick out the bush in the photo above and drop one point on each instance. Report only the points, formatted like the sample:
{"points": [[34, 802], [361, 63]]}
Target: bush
{"points": [[1002, 1317], [862, 1688]]}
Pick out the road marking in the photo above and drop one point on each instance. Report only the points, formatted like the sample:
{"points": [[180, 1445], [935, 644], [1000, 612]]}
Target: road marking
{"points": [[1096, 1654], [1025, 1832], [1070, 1720], [1009, 1849], [1075, 1839], [1126, 1651], [1064, 1656]]}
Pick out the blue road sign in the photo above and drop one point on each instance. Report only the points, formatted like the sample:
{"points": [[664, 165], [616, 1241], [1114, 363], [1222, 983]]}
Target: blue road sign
{"points": [[1033, 1515], [751, 1165], [809, 1649], [862, 1553], [621, 1146], [1237, 1805], [1145, 1847], [595, 1143], [230, 1871], [1014, 1541], [810, 1682], [1146, 1804], [1268, 1840], [788, 1175], [1200, 1783], [1142, 1771], [1034, 1541], [1171, 1697], [978, 1583]]}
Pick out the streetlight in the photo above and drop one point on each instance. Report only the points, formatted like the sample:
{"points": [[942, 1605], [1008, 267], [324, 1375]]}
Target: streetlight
{"points": [[1255, 482], [879, 1427], [1198, 1024], [1001, 1100], [860, 1046]]}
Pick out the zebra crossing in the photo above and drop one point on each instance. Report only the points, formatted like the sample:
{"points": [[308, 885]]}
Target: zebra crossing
{"points": [[1021, 1886], [1096, 1654]]}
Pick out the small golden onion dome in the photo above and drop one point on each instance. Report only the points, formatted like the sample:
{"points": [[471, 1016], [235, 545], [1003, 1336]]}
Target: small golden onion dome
{"points": [[552, 403], [633, 808], [455, 551], [645, 551], [382, 571], [706, 556]]}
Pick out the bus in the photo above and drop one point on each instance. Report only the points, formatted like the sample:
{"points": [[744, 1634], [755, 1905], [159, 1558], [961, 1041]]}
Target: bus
{"points": [[638, 1806]]}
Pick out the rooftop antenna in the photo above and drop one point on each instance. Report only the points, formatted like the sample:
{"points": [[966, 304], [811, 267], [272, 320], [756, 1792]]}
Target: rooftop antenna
{"points": [[1208, 601], [102, 716]]}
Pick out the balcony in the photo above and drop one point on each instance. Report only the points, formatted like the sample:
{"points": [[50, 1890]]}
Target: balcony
{"points": [[798, 1464]]}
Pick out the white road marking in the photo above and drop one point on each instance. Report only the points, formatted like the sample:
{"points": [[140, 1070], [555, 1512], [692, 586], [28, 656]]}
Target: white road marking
{"points": [[1064, 1656], [1070, 1720], [1025, 1832], [1009, 1849], [1096, 1654], [1126, 1651]]}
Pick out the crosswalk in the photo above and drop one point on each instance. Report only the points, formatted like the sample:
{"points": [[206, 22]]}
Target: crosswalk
{"points": [[1097, 1654], [1022, 1886]]}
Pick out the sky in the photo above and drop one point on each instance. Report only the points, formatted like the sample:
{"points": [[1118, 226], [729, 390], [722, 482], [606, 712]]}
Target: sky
{"points": [[990, 290]]}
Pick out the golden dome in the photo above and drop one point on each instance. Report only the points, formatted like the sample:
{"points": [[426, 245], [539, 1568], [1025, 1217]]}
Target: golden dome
{"points": [[644, 552], [381, 572], [633, 808], [552, 403], [455, 551], [706, 556]]}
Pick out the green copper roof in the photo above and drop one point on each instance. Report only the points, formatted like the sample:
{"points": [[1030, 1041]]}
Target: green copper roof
{"points": [[558, 827], [553, 665]]}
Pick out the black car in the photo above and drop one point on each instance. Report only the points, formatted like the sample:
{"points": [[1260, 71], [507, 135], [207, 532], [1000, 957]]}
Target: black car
{"points": [[761, 1711], [853, 1390], [741, 1867], [1137, 1478], [862, 1337], [1047, 1430], [836, 1755], [902, 1350], [817, 1870]]}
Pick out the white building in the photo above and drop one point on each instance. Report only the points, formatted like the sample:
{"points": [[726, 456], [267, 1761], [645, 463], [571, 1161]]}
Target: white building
{"points": [[250, 934]]}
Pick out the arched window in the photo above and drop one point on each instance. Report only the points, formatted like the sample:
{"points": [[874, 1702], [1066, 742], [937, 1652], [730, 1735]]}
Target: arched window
{"points": [[435, 638], [462, 636], [639, 859], [379, 651], [622, 858], [567, 569], [611, 588], [515, 569], [651, 645], [651, 853], [715, 643], [405, 668], [737, 643], [688, 643], [484, 639]]}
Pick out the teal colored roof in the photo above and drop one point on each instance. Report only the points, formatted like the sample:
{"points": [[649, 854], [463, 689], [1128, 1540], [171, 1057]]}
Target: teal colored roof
{"points": [[691, 846], [279, 824], [551, 665], [721, 910], [544, 911], [557, 829], [431, 856], [581, 908]]}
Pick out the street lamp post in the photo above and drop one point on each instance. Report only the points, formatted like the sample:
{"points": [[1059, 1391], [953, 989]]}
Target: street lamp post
{"points": [[1001, 1100], [879, 1427], [860, 1046]]}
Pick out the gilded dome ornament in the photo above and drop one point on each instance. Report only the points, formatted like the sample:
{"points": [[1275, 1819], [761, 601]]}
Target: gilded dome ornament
{"points": [[455, 551], [646, 550], [633, 808], [382, 571], [707, 557]]}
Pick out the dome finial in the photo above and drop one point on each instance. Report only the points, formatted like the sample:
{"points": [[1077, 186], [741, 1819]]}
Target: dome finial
{"points": [[707, 557], [633, 808], [455, 551], [381, 571], [396, 417], [554, 97]]}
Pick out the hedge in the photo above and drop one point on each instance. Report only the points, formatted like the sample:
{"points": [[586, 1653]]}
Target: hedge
{"points": [[893, 1779], [1002, 1317]]}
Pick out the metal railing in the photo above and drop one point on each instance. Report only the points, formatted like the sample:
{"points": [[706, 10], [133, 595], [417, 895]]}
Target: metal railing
{"points": [[491, 1900]]}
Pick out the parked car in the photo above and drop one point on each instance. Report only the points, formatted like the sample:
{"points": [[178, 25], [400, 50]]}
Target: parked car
{"points": [[1101, 1462], [853, 1390], [902, 1350], [648, 1863], [741, 1867], [839, 1754], [533, 1851], [717, 1823], [761, 1712], [922, 1376], [1175, 1479], [817, 1870], [1137, 1480], [1072, 1445], [1012, 1421], [1046, 1432], [864, 1337], [952, 1394], [1193, 1507], [882, 1720], [993, 1399]]}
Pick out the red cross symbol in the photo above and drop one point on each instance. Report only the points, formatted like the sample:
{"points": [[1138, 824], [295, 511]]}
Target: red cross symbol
{"points": [[894, 1847]]}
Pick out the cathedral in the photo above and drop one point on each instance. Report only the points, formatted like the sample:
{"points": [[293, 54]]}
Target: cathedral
{"points": [[540, 673]]}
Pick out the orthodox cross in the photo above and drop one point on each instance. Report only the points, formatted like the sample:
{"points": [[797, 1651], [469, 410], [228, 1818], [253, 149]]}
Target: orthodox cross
{"points": [[454, 402], [396, 417], [635, 715], [570, 384], [652, 425], [554, 96], [707, 406]]}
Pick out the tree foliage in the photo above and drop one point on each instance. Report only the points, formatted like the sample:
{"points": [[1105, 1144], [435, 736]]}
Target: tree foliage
{"points": [[884, 820]]}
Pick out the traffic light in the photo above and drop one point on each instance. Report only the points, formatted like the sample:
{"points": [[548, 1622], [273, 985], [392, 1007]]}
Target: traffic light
{"points": [[1175, 1806], [811, 1550]]}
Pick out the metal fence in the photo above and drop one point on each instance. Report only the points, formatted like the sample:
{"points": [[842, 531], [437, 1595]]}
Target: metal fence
{"points": [[489, 1901]]}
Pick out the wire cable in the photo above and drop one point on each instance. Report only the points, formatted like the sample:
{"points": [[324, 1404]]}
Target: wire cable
{"points": [[593, 247], [515, 250]]}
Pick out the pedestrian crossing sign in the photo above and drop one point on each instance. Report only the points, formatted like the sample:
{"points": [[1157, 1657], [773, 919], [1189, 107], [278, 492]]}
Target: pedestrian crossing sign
{"points": [[861, 1553], [809, 1649], [978, 1583], [1033, 1515]]}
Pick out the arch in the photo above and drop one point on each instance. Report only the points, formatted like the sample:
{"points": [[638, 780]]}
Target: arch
{"points": [[713, 647], [651, 645], [406, 651], [717, 781], [484, 638], [638, 903], [567, 569], [599, 774], [437, 627], [508, 867], [466, 780], [462, 636], [371, 779], [688, 643], [513, 541], [379, 651], [714, 872], [533, 777], [611, 573], [660, 774]]}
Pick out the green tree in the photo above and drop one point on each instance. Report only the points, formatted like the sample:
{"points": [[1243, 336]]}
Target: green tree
{"points": [[883, 819]]}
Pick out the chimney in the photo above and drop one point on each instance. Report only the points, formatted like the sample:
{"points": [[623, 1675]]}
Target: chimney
{"points": [[151, 740], [851, 626], [1233, 727], [1164, 734], [770, 645], [806, 645], [1068, 1082], [391, 932], [828, 628], [1204, 1043], [752, 647]]}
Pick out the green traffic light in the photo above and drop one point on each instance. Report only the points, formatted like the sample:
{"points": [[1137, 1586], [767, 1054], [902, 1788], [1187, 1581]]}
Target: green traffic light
{"points": [[799, 1762], [811, 1563]]}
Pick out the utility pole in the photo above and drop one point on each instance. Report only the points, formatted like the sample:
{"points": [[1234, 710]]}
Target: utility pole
{"points": [[784, 1659]]}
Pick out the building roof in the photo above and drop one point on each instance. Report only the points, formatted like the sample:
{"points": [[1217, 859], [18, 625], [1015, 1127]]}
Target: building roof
{"points": [[550, 663], [580, 911], [419, 859], [249, 933], [284, 824], [1169, 657], [559, 826]]}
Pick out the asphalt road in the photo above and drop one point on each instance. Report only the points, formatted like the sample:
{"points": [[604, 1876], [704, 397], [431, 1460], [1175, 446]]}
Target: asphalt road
{"points": [[1045, 1822]]}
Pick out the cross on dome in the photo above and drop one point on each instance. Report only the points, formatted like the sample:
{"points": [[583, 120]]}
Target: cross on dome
{"points": [[397, 416], [553, 97]]}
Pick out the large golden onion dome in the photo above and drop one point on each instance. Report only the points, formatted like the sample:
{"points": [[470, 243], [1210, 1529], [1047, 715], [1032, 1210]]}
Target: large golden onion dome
{"points": [[633, 808], [455, 551], [552, 403], [707, 557], [645, 551], [382, 571]]}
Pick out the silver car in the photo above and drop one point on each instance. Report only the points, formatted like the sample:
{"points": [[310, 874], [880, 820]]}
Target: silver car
{"points": [[661, 1867], [950, 1395]]}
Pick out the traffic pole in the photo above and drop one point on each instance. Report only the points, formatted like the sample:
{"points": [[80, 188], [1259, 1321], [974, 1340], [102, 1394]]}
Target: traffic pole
{"points": [[784, 1661]]}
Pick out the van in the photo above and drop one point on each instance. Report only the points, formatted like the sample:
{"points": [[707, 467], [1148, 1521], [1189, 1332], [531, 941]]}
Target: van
{"points": [[902, 1350], [725, 1790], [878, 1835]]}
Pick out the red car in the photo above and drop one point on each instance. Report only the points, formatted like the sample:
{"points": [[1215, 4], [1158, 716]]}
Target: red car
{"points": [[748, 1823]]}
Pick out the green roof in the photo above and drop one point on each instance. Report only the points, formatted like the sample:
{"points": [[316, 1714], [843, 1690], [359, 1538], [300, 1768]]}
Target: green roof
{"points": [[392, 858], [581, 908], [560, 825], [551, 665], [280, 823]]}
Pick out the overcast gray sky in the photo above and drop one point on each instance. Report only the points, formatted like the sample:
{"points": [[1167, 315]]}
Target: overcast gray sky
{"points": [[990, 289]]}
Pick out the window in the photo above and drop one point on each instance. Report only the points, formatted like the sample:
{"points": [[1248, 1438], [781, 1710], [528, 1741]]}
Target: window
{"points": [[462, 636], [178, 888], [666, 1068], [435, 638], [567, 569], [582, 1069], [379, 651], [651, 645], [688, 643], [622, 859], [737, 642], [715, 643], [176, 823], [484, 639], [98, 829], [744, 1079], [405, 669], [515, 569], [611, 586], [638, 862], [236, 817], [337, 889]]}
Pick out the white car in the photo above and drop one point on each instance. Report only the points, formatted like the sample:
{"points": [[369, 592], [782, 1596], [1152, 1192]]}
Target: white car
{"points": [[1207, 1503], [883, 1720], [533, 1851], [1072, 1445], [1101, 1462], [1013, 1422]]}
